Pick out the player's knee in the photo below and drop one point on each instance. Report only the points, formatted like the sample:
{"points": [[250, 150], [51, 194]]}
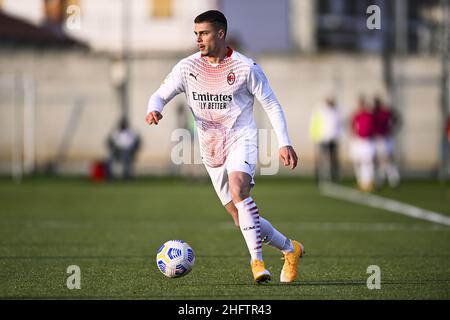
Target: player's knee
{"points": [[239, 193]]}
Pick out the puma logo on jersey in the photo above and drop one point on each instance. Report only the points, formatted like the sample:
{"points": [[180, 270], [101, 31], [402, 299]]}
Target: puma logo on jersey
{"points": [[193, 76]]}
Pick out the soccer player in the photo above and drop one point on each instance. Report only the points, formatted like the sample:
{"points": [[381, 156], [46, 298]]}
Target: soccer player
{"points": [[220, 85]]}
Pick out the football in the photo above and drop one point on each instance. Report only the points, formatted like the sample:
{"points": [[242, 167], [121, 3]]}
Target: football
{"points": [[175, 258]]}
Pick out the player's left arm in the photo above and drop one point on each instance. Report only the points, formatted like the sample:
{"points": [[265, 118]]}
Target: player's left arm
{"points": [[259, 86]]}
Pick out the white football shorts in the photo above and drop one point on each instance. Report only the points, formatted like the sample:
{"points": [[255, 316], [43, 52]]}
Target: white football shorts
{"points": [[362, 150], [384, 147], [241, 157]]}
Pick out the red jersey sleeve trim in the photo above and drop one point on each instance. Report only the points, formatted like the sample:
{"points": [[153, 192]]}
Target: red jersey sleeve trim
{"points": [[230, 52]]}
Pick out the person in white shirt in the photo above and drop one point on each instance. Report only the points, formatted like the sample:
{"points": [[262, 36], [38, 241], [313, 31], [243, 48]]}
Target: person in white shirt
{"points": [[325, 129], [220, 85]]}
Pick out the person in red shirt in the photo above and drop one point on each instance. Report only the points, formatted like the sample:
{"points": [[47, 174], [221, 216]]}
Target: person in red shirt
{"points": [[386, 123], [362, 150]]}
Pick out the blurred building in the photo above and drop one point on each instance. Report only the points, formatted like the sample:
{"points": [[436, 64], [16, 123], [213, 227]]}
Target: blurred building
{"points": [[309, 49], [109, 25], [15, 33], [260, 26]]}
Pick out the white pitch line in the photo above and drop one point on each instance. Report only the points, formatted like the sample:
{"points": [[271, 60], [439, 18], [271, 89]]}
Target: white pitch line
{"points": [[371, 200], [353, 226]]}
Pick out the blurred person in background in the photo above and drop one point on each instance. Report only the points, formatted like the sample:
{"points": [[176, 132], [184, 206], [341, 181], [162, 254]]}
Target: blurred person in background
{"points": [[325, 129], [386, 124], [362, 150], [123, 145]]}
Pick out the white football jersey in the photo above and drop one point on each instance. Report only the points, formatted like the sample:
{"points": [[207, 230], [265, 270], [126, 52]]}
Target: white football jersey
{"points": [[221, 100]]}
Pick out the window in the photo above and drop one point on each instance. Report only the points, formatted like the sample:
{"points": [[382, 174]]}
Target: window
{"points": [[341, 25], [56, 10], [161, 8], [68, 3], [54, 13]]}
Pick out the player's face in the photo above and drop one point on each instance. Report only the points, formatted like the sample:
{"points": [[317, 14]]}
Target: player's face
{"points": [[207, 38]]}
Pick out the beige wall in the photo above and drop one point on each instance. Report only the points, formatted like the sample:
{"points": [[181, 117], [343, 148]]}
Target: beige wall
{"points": [[299, 82]]}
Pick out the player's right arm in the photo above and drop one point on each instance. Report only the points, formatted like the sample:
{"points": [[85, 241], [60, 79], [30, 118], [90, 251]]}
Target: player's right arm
{"points": [[153, 117], [170, 87]]}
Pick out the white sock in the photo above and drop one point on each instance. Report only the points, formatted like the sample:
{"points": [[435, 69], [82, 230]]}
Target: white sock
{"points": [[274, 238], [367, 173], [250, 227]]}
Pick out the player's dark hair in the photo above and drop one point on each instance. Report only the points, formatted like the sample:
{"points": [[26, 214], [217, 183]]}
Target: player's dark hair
{"points": [[214, 17]]}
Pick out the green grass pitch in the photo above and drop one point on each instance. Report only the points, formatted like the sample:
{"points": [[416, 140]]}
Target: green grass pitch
{"points": [[112, 232]]}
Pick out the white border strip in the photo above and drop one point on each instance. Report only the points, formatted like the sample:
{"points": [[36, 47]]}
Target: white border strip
{"points": [[371, 200]]}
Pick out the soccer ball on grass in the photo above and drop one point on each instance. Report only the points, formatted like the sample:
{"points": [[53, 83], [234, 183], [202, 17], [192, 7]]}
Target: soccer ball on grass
{"points": [[175, 258]]}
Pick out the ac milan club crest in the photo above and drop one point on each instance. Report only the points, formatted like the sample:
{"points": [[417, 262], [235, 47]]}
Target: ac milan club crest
{"points": [[231, 78]]}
